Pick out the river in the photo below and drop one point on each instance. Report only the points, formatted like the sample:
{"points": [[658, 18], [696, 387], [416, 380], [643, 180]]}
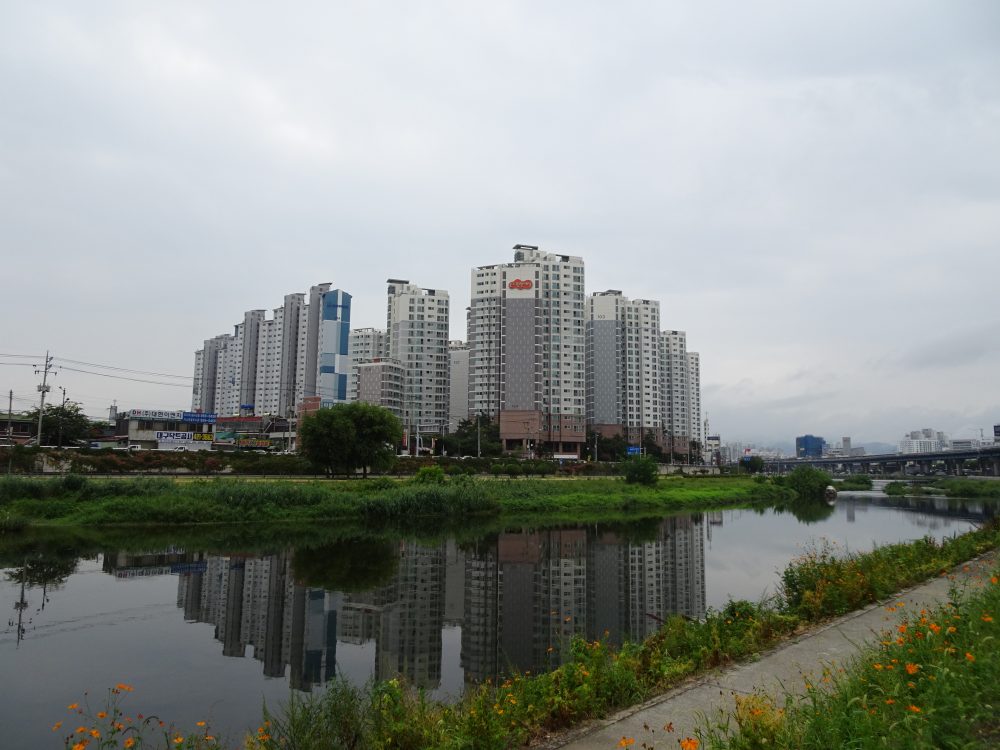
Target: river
{"points": [[211, 634]]}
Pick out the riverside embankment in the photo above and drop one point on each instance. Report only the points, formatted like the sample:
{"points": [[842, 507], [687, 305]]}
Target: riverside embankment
{"points": [[834, 667], [80, 501]]}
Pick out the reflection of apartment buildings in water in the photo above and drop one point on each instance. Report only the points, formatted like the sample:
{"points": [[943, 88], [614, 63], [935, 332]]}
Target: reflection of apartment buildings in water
{"points": [[410, 639], [403, 617], [255, 602], [529, 594], [294, 629], [525, 598], [666, 576]]}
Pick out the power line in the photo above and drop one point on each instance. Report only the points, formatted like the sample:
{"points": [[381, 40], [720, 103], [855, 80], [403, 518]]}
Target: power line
{"points": [[123, 377], [123, 369]]}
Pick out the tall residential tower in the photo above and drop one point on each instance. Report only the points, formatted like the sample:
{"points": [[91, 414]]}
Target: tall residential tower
{"points": [[526, 358]]}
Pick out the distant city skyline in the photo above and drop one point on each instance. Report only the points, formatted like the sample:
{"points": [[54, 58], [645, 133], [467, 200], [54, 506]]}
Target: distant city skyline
{"points": [[812, 193]]}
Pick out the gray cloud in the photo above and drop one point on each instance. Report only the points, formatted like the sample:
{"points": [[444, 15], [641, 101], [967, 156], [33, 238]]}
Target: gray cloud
{"points": [[812, 191]]}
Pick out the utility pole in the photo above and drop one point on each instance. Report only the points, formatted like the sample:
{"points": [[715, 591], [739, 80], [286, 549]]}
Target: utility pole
{"points": [[62, 415], [43, 389], [10, 431]]}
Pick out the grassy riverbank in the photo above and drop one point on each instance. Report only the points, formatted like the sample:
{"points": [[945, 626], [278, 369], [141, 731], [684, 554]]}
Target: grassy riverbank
{"points": [[597, 679], [964, 488], [933, 682], [79, 501]]}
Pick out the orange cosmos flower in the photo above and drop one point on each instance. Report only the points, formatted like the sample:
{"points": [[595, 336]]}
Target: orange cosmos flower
{"points": [[901, 629], [912, 668], [689, 743], [129, 742], [969, 657], [102, 715], [914, 709], [626, 741], [73, 706], [986, 618], [199, 723]]}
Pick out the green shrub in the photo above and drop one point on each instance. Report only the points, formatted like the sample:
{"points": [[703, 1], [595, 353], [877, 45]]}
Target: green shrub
{"points": [[809, 483], [429, 475], [640, 470]]}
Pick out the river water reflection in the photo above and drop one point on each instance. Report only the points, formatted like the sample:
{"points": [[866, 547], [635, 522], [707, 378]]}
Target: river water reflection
{"points": [[212, 634]]}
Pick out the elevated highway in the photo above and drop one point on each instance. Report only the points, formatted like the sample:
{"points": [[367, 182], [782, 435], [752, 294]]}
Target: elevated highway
{"points": [[951, 462]]}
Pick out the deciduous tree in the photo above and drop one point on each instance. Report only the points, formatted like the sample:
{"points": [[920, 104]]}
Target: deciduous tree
{"points": [[348, 437]]}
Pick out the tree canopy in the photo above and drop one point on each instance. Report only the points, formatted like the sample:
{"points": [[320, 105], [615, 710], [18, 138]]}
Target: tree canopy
{"points": [[462, 442], [74, 424], [348, 437]]}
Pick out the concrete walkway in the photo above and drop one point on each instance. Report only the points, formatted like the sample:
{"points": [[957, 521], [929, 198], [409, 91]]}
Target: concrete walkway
{"points": [[784, 669]]}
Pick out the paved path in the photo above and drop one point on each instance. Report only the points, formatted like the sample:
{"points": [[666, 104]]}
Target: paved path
{"points": [[781, 669]]}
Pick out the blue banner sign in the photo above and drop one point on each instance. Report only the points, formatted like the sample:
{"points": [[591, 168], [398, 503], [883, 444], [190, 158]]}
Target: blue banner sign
{"points": [[634, 450], [193, 417]]}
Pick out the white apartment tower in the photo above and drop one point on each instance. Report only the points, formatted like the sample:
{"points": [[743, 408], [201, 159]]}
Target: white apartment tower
{"points": [[206, 364], [624, 382], [676, 389], [267, 366], [527, 350], [694, 398], [458, 383], [278, 347], [269, 347], [366, 345], [417, 330], [228, 372]]}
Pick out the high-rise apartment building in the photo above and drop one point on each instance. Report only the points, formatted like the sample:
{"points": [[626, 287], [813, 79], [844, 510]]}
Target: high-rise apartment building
{"points": [[527, 350], [417, 330], [458, 383], [624, 380], [694, 398], [278, 345], [676, 389], [332, 362], [267, 366], [366, 345], [206, 367], [380, 382]]}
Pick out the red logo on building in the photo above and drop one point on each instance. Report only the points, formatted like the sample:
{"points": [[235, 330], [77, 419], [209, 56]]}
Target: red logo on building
{"points": [[520, 284]]}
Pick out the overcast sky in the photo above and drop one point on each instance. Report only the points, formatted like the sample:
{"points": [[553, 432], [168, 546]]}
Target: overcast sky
{"points": [[811, 189]]}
